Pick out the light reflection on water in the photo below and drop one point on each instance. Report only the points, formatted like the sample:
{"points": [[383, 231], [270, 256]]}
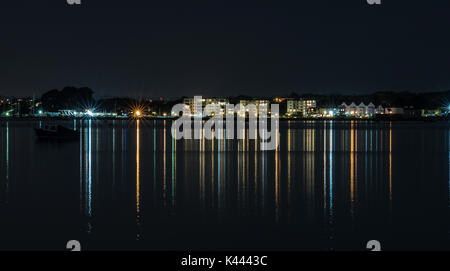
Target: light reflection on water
{"points": [[330, 185], [138, 183]]}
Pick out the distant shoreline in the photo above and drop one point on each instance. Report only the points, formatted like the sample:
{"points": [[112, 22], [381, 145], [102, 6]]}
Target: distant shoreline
{"points": [[378, 118]]}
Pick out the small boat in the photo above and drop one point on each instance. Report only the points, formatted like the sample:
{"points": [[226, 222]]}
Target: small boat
{"points": [[56, 132]]}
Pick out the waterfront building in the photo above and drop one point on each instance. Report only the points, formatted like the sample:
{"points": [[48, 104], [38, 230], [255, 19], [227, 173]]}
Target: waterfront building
{"points": [[361, 110], [394, 111], [300, 107], [347, 110], [260, 105], [431, 112], [292, 107], [327, 112], [379, 110], [216, 104], [22, 107]]}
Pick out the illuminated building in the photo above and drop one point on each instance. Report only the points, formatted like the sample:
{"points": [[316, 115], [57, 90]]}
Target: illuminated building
{"points": [[300, 107], [215, 104], [360, 110], [260, 105]]}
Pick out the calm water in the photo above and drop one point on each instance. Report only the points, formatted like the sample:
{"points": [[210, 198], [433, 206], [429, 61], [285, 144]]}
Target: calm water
{"points": [[129, 185]]}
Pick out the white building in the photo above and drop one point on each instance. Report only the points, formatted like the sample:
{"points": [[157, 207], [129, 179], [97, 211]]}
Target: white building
{"points": [[216, 104], [360, 110], [301, 107], [260, 105]]}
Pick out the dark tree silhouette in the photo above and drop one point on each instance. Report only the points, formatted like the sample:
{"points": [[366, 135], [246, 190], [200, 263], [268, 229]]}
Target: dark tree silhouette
{"points": [[68, 98]]}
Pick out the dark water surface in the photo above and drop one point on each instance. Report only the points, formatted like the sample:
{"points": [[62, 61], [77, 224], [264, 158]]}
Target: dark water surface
{"points": [[129, 185]]}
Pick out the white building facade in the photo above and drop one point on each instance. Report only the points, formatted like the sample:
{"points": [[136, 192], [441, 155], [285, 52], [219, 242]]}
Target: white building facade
{"points": [[300, 107], [361, 110]]}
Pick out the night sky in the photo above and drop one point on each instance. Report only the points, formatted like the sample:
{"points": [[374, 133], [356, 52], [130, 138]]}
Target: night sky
{"points": [[222, 48]]}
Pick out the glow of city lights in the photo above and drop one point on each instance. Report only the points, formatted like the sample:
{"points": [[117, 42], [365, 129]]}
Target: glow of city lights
{"points": [[137, 113], [89, 113]]}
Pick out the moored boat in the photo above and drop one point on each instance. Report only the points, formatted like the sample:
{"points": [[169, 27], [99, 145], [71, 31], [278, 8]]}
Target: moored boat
{"points": [[56, 132]]}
